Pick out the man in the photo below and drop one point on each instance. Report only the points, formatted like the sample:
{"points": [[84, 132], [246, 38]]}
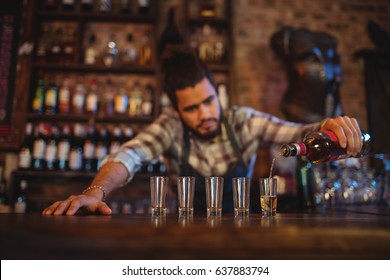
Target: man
{"points": [[198, 138]]}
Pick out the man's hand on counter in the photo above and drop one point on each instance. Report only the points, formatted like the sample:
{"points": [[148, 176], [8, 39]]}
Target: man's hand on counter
{"points": [[75, 202]]}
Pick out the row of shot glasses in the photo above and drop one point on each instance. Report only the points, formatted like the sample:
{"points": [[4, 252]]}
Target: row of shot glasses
{"points": [[214, 193]]}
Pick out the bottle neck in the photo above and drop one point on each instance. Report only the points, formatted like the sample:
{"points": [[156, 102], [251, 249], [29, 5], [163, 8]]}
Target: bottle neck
{"points": [[293, 149]]}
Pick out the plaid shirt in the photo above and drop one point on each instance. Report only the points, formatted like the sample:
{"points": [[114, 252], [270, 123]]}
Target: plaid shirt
{"points": [[209, 157]]}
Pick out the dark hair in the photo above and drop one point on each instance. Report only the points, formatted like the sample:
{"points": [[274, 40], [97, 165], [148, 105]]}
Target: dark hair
{"points": [[181, 68]]}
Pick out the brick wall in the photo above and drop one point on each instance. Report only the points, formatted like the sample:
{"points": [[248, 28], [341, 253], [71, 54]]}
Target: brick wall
{"points": [[261, 81]]}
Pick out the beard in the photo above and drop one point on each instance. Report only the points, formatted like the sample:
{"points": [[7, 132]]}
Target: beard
{"points": [[208, 135]]}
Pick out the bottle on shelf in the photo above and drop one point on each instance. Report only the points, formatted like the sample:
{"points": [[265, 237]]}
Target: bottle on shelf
{"points": [[39, 96], [76, 150], [121, 101], [135, 100], [44, 43], [206, 49], [52, 148], [51, 97], [129, 54], [64, 144], [89, 160], [55, 51], [147, 104], [125, 6], [64, 96], [78, 100], [92, 99], [91, 52], [106, 106], [26, 149], [39, 146], [20, 205], [145, 50], [101, 149], [170, 34], [322, 146], [110, 55]]}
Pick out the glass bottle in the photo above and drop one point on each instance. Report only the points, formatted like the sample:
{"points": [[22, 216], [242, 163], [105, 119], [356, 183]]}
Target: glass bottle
{"points": [[39, 146], [78, 100], [39, 97], [51, 98], [115, 140], [143, 7], [26, 149], [86, 5], [20, 205], [106, 106], [135, 101], [322, 146], [89, 149], [69, 45], [51, 148], [147, 104], [101, 150], [64, 97], [76, 150], [121, 101], [129, 54], [55, 51], [68, 5], [64, 144], [110, 56], [145, 50], [91, 52], [92, 98]]}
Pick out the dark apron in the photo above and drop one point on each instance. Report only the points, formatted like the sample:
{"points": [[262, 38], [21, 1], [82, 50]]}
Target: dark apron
{"points": [[239, 169]]}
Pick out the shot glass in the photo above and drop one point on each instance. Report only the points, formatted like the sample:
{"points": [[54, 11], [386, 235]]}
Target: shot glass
{"points": [[241, 192], [158, 194], [214, 191], [268, 196], [185, 195]]}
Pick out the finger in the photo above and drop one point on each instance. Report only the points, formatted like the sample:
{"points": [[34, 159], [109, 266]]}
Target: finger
{"points": [[74, 205], [336, 126], [358, 135], [49, 210], [62, 207], [104, 209]]}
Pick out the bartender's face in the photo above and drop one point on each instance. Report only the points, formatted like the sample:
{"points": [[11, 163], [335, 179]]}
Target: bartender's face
{"points": [[199, 109]]}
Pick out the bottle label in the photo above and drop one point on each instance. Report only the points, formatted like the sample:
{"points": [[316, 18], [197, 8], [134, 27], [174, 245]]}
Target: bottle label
{"points": [[301, 148], [101, 152], [51, 96], [51, 152], [92, 103], [89, 150], [39, 149], [75, 160]]}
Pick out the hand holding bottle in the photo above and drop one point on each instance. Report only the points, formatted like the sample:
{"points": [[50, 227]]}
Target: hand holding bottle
{"points": [[347, 131]]}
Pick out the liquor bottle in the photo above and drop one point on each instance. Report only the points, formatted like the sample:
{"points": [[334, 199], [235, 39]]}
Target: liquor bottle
{"points": [[110, 56], [135, 101], [145, 50], [322, 146], [129, 54], [78, 100], [206, 49], [91, 52], [64, 144], [39, 97], [20, 205], [86, 5], [128, 134], [89, 149], [51, 148], [115, 140], [92, 98], [64, 97], [51, 98], [101, 149], [121, 101], [39, 146], [147, 104], [26, 149], [76, 150], [44, 43], [170, 34], [106, 106]]}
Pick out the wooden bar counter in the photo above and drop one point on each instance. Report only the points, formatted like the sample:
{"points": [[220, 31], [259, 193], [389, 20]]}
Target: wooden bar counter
{"points": [[342, 234]]}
